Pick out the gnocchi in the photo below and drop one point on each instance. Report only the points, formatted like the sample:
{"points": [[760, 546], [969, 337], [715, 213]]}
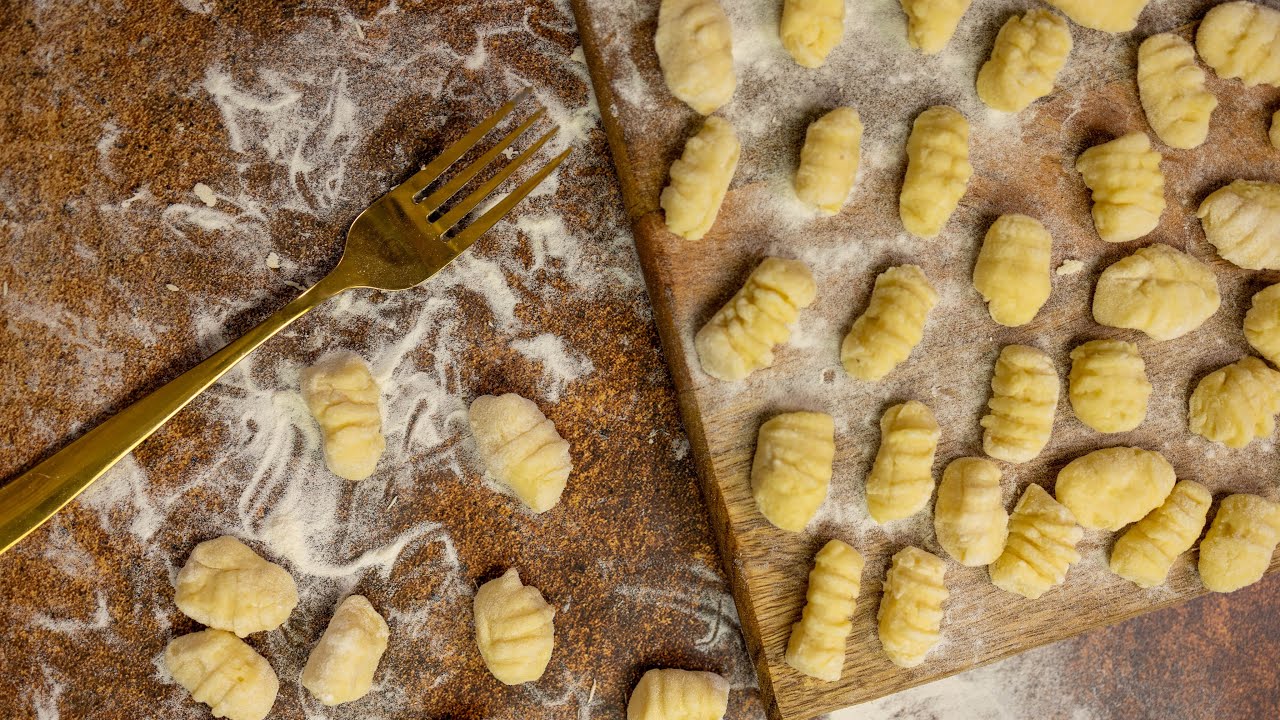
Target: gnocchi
{"points": [[1110, 16], [739, 339], [1012, 271], [1024, 398], [1158, 290], [223, 672], [1041, 546], [829, 160], [343, 396], [910, 615], [1242, 220], [1108, 385], [1127, 185], [521, 448], [892, 325], [1236, 551], [1029, 53], [228, 586], [969, 518], [341, 666], [901, 479], [816, 646], [1242, 40], [938, 170], [679, 695], [1171, 88], [515, 630], [931, 23], [695, 51], [792, 467], [1110, 488], [810, 29], [1237, 404], [1262, 323], [700, 179], [1146, 551]]}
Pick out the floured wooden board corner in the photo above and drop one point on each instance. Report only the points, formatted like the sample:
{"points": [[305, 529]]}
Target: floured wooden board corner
{"points": [[1022, 163]]}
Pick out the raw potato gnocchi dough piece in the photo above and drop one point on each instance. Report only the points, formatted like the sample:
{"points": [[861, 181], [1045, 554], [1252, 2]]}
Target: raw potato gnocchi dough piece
{"points": [[1041, 546], [810, 29], [892, 325], [341, 666], [938, 170], [829, 160], [521, 448], [1012, 272], [343, 396], [739, 339], [1146, 551], [816, 646], [1237, 404], [1236, 551], [791, 470], [700, 179], [1106, 15], [679, 695], [1242, 40], [910, 614], [1262, 323], [1110, 488], [1242, 220], [969, 518], [1024, 397], [1127, 184], [223, 672], [514, 629], [695, 50], [1029, 53], [1108, 385], [931, 23], [228, 586], [901, 479], [1158, 290], [1171, 87]]}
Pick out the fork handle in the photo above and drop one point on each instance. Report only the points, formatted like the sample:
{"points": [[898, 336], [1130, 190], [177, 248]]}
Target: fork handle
{"points": [[33, 497]]}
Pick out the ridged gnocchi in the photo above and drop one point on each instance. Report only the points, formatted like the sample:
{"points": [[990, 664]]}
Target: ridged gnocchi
{"points": [[1108, 16], [1110, 488], [931, 23], [1041, 546], [1127, 185], [1158, 290], [739, 339], [679, 695], [228, 586], [1262, 323], [695, 51], [341, 666], [1108, 385], [515, 629], [1024, 398], [969, 518], [1242, 220], [1012, 271], [1237, 404], [1030, 51], [343, 396], [829, 160], [901, 479], [1237, 550], [1171, 88], [910, 615], [938, 170], [1242, 40], [521, 448], [223, 672], [700, 179], [892, 325], [816, 646], [791, 470], [810, 29], [1146, 551]]}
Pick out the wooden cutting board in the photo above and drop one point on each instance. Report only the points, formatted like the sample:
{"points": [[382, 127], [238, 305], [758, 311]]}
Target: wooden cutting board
{"points": [[1022, 164]]}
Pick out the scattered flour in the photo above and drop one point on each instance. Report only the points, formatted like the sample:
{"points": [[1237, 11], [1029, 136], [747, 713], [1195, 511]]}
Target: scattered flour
{"points": [[1070, 267], [560, 365], [273, 260]]}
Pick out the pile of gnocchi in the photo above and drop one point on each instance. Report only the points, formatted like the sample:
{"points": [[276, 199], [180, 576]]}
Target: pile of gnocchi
{"points": [[1157, 290]]}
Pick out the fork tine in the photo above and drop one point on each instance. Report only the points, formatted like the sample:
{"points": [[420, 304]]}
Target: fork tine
{"points": [[463, 240], [436, 167], [469, 203], [449, 189]]}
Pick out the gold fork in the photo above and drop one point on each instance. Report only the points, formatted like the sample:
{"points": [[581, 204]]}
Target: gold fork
{"points": [[398, 242]]}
